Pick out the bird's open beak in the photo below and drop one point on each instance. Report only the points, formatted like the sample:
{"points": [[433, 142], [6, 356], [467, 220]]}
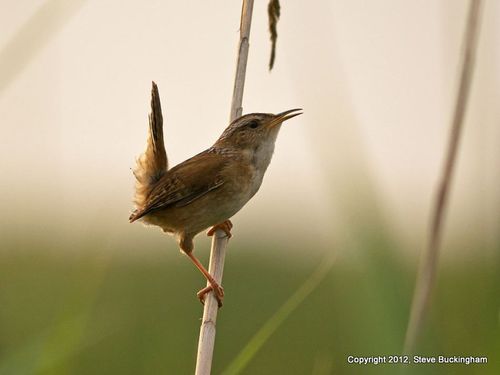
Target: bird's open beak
{"points": [[283, 116]]}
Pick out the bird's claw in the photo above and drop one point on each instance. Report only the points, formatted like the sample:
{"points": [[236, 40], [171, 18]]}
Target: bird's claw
{"points": [[225, 226], [218, 294]]}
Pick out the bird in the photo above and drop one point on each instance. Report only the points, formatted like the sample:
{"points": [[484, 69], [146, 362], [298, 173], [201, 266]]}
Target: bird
{"points": [[206, 190]]}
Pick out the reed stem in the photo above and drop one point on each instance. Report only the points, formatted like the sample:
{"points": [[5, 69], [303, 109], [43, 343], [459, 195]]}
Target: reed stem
{"points": [[219, 241], [429, 259]]}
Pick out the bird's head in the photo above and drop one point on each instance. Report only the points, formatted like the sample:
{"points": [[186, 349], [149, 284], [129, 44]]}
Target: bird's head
{"points": [[254, 131]]}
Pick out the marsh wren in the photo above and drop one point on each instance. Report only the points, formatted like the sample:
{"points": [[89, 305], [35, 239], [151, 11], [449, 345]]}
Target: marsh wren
{"points": [[209, 188]]}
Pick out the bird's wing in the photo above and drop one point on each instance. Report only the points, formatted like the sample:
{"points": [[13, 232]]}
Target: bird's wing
{"points": [[185, 183]]}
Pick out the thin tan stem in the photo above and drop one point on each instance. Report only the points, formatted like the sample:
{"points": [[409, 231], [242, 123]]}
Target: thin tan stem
{"points": [[241, 64], [428, 263], [219, 241]]}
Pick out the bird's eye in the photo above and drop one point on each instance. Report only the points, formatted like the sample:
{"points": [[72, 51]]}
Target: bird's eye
{"points": [[253, 124]]}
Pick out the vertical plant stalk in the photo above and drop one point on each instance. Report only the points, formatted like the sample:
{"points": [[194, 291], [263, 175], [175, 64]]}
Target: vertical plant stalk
{"points": [[219, 241], [428, 263], [273, 12]]}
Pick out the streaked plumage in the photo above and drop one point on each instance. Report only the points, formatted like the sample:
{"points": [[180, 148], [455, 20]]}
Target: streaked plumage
{"points": [[209, 188], [153, 163]]}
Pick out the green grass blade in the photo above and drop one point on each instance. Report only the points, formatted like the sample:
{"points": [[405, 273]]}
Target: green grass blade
{"points": [[265, 332]]}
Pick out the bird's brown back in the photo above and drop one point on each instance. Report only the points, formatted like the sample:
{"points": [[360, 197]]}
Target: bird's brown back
{"points": [[185, 183]]}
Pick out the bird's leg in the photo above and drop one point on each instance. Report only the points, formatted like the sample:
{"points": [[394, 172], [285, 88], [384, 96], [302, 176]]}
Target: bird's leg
{"points": [[226, 226], [214, 285]]}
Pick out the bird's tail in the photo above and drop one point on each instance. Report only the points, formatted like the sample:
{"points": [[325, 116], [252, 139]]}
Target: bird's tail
{"points": [[153, 163]]}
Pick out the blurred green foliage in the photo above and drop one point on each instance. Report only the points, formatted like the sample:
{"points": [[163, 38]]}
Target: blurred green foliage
{"points": [[109, 313]]}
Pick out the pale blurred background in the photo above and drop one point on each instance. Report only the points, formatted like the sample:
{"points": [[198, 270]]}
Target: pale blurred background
{"points": [[377, 81]]}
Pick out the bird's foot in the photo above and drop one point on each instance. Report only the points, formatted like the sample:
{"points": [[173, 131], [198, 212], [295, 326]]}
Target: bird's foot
{"points": [[213, 285], [226, 226], [218, 293]]}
